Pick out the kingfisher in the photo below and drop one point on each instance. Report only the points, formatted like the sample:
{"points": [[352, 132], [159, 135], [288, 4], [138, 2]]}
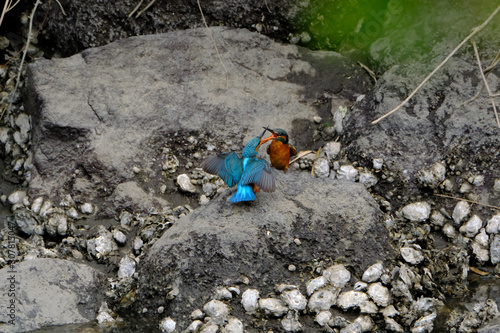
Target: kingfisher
{"points": [[247, 171], [279, 150]]}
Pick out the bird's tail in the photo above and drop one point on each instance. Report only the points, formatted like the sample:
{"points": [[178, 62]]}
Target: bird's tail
{"points": [[243, 193]]}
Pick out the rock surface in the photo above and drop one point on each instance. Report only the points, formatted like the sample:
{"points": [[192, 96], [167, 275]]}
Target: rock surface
{"points": [[130, 106], [223, 243], [49, 292], [443, 128]]}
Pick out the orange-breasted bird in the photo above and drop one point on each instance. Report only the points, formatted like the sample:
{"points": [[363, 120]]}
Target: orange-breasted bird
{"points": [[279, 150], [247, 171]]}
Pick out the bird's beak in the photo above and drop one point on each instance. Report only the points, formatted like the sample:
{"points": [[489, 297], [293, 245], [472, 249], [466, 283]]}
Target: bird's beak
{"points": [[271, 137]]}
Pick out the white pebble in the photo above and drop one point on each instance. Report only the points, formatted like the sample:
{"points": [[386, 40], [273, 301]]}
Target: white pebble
{"points": [[57, 224], [291, 322], [126, 267], [185, 184], [461, 211], [37, 205], [322, 300], [496, 186], [437, 218], [17, 197], [347, 172], [194, 326], [495, 250], [390, 311], [482, 254], [72, 212], [323, 317], [338, 275], [471, 228], [138, 243], [411, 255], [393, 325], [167, 325], [197, 314], [476, 180], [294, 299], [417, 211], [493, 226], [217, 310], [87, 208], [424, 324], [234, 325], [433, 176], [321, 168], [250, 300], [360, 286], [273, 306], [222, 293], [119, 237], [482, 238], [315, 284], [204, 200], [104, 317], [373, 272], [378, 163], [351, 299], [366, 323], [449, 231], [379, 294], [332, 149], [46, 208], [368, 179]]}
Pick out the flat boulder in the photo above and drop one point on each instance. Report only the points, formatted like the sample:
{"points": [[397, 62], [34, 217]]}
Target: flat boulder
{"points": [[48, 292], [143, 108], [306, 221]]}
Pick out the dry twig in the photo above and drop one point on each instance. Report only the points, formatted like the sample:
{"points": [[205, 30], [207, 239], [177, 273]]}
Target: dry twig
{"points": [[26, 47], [471, 201], [485, 81], [473, 32], [212, 38], [6, 7], [369, 71]]}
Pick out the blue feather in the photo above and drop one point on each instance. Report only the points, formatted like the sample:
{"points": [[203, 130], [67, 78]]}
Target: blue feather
{"points": [[243, 193]]}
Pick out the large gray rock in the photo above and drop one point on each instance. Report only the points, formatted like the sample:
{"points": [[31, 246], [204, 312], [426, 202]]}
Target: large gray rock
{"points": [[223, 242], [48, 292], [133, 103], [436, 125]]}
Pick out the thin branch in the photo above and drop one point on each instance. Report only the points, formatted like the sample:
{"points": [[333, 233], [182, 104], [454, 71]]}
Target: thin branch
{"points": [[212, 38], [473, 32], [471, 201], [145, 8], [135, 9], [485, 81], [6, 7], [28, 40], [487, 71], [493, 63], [60, 6], [369, 71]]}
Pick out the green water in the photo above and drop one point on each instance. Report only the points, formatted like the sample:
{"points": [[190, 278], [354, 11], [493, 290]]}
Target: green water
{"points": [[387, 32]]}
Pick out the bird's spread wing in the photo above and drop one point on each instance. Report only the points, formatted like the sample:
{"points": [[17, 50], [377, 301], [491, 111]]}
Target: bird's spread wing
{"points": [[232, 170], [213, 163], [226, 165], [259, 173]]}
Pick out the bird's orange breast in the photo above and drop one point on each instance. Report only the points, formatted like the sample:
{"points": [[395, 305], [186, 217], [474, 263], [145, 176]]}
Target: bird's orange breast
{"points": [[279, 154]]}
